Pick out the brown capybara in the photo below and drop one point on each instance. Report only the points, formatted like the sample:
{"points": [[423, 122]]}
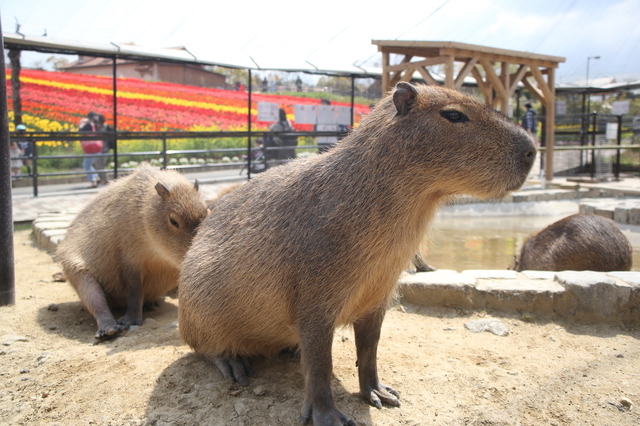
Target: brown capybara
{"points": [[581, 242], [125, 247], [329, 235]]}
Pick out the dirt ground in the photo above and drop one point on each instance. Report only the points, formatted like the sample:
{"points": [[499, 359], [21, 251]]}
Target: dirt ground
{"points": [[545, 372]]}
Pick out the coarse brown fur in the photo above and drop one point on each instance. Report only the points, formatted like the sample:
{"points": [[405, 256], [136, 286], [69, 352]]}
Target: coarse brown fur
{"points": [[581, 242], [126, 246], [329, 235]]}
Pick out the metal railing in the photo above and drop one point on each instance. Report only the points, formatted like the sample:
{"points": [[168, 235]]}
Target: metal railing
{"points": [[164, 155]]}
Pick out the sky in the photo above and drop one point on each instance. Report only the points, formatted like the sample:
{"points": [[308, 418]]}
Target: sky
{"points": [[337, 35]]}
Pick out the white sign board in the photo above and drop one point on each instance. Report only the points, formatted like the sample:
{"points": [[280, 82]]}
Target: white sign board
{"points": [[326, 114], [612, 131], [268, 111], [343, 115], [561, 108], [620, 107], [305, 114], [327, 140]]}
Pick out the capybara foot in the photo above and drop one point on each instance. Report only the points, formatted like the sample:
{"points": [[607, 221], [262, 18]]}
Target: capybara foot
{"points": [[382, 394], [235, 368], [330, 417], [127, 320], [108, 331], [421, 264], [150, 306]]}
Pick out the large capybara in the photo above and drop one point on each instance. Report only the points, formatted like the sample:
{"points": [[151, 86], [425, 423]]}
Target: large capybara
{"points": [[581, 242], [329, 235], [126, 246]]}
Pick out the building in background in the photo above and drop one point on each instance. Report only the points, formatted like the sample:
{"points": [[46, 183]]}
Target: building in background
{"points": [[169, 72]]}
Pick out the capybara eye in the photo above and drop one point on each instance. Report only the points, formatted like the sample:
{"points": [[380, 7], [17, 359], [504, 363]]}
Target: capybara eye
{"points": [[454, 116], [174, 222]]}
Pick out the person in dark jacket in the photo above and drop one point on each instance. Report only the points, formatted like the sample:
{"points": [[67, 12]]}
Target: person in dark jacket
{"points": [[530, 122]]}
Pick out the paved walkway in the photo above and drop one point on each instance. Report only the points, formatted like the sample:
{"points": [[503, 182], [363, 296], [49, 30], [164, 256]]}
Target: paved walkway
{"points": [[583, 296]]}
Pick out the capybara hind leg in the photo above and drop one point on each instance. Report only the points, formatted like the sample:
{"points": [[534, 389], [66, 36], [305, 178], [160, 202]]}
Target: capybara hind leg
{"points": [[421, 264], [237, 369], [315, 348], [367, 333], [135, 297], [93, 298]]}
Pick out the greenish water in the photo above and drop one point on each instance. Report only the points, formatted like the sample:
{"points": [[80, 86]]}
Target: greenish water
{"points": [[461, 243]]}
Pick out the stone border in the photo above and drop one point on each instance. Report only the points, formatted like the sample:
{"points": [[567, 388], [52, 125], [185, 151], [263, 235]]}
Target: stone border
{"points": [[582, 296]]}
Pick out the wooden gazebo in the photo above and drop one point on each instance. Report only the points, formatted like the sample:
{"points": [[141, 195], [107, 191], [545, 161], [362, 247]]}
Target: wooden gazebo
{"points": [[536, 72]]}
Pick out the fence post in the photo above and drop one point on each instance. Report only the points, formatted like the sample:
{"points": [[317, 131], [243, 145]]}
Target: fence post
{"points": [[250, 87], [34, 168], [164, 153], [7, 266], [619, 140], [592, 129]]}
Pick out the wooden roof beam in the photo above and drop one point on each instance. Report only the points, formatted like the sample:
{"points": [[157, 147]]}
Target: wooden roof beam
{"points": [[426, 62], [464, 72], [395, 77], [517, 77], [534, 90], [427, 76], [492, 77], [484, 87], [542, 85]]}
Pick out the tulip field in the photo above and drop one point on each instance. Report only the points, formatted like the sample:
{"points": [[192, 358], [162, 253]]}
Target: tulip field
{"points": [[56, 101]]}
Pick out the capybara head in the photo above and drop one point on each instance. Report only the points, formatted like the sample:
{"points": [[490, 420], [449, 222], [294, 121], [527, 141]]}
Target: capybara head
{"points": [[479, 150], [175, 216]]}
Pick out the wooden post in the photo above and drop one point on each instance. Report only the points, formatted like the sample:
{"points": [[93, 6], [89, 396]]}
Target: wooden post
{"points": [[504, 95], [385, 73], [448, 73], [551, 124]]}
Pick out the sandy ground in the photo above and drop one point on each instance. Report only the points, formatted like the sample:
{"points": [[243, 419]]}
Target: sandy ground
{"points": [[545, 372]]}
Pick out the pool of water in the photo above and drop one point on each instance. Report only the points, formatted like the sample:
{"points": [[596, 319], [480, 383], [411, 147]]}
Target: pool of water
{"points": [[461, 243]]}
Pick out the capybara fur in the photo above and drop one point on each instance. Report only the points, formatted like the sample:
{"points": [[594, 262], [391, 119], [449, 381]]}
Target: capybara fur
{"points": [[126, 246], [329, 235], [581, 242]]}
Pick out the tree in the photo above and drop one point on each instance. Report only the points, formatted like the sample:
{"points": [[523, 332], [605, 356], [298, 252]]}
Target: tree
{"points": [[57, 61], [232, 75], [14, 57]]}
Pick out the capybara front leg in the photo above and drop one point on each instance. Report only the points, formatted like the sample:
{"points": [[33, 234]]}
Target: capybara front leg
{"points": [[93, 298], [421, 264], [367, 332], [135, 298], [315, 348]]}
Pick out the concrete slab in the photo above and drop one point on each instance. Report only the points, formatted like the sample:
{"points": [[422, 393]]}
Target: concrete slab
{"points": [[593, 296]]}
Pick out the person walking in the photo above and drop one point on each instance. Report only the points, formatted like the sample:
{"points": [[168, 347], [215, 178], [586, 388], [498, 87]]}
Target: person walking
{"points": [[530, 122]]}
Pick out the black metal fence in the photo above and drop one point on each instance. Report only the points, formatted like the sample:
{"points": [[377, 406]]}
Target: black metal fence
{"points": [[594, 146], [254, 157]]}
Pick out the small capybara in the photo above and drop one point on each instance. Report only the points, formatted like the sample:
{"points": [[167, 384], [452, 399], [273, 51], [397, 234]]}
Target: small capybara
{"points": [[125, 247], [329, 235], [581, 242]]}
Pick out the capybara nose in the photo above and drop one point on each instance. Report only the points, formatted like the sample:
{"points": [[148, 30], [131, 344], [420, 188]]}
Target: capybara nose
{"points": [[530, 157]]}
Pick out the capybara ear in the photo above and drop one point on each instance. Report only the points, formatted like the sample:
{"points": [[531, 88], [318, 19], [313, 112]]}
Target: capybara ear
{"points": [[196, 184], [162, 190], [404, 97]]}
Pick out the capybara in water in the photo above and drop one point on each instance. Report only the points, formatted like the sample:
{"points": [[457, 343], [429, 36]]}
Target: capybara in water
{"points": [[581, 242], [329, 235], [125, 247]]}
